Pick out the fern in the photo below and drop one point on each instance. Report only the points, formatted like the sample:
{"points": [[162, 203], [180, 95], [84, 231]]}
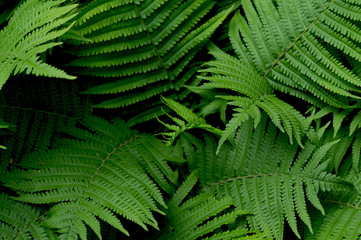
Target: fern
{"points": [[142, 47], [32, 30], [99, 176], [268, 177], [36, 110], [193, 121], [349, 141], [21, 221], [255, 93], [200, 216], [343, 214], [285, 43], [284, 153]]}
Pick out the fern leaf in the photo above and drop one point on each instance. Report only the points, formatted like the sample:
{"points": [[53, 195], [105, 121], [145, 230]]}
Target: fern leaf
{"points": [[27, 34], [101, 175], [271, 178], [345, 219], [356, 151], [200, 215], [356, 123], [343, 213], [337, 120], [289, 44], [193, 121], [337, 152], [149, 44], [23, 223], [232, 125], [37, 110], [232, 74], [183, 190]]}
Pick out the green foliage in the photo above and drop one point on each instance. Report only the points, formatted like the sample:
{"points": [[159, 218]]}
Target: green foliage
{"points": [[30, 31], [295, 46], [255, 93], [36, 110], [143, 47], [193, 121], [269, 177], [24, 223], [100, 174], [201, 215], [265, 128], [343, 216]]}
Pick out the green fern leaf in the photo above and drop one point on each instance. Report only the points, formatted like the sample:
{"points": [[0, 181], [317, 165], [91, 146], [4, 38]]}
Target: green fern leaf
{"points": [[193, 121], [144, 48], [230, 73], [101, 175], [269, 177], [23, 223], [288, 43], [356, 123], [342, 214], [195, 217], [28, 33], [37, 110], [356, 151], [337, 120]]}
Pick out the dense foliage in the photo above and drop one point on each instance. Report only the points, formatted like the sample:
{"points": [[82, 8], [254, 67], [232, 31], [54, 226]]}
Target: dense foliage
{"points": [[176, 119]]}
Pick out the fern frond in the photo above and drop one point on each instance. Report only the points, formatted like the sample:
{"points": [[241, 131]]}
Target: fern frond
{"points": [[32, 30], [232, 74], [342, 219], [143, 47], [21, 221], [355, 123], [37, 110], [339, 223], [356, 151], [348, 141], [192, 121], [200, 215], [289, 44], [101, 174], [269, 177]]}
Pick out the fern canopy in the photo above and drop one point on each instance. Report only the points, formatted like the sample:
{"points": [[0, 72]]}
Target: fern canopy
{"points": [[99, 175], [268, 177], [265, 128], [142, 47], [30, 31]]}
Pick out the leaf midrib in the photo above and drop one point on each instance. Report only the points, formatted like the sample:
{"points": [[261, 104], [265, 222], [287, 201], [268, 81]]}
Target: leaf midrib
{"points": [[273, 175]]}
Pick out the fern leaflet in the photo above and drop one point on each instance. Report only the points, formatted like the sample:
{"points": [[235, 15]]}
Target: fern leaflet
{"points": [[192, 119]]}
